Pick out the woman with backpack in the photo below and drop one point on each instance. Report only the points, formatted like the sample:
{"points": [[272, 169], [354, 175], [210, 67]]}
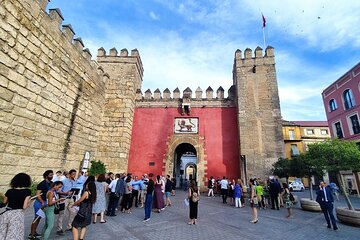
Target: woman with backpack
{"points": [[194, 197]]}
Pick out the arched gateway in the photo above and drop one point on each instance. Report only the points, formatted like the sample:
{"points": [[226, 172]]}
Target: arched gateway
{"points": [[185, 153]]}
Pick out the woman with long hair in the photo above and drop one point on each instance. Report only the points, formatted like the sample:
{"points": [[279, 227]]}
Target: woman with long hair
{"points": [[83, 217], [194, 197], [127, 202], [158, 195], [253, 201], [99, 206], [52, 198], [17, 199]]}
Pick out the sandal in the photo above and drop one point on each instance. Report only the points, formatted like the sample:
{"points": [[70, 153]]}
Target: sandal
{"points": [[103, 221]]}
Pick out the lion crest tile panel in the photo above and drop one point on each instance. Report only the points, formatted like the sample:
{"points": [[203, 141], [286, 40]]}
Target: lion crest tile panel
{"points": [[186, 125]]}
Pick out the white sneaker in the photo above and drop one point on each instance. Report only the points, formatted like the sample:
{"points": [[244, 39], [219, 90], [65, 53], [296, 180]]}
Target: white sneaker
{"points": [[146, 220]]}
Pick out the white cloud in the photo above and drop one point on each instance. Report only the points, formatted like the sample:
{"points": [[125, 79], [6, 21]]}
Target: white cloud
{"points": [[153, 16], [324, 24]]}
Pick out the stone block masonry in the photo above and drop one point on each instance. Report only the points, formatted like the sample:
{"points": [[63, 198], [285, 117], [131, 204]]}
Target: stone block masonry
{"points": [[51, 93]]}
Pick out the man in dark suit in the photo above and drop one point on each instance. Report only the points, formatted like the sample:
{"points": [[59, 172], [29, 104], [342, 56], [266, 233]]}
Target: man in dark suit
{"points": [[325, 199]]}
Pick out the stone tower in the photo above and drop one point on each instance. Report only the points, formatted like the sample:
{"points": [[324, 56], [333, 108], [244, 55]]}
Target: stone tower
{"points": [[259, 116], [125, 77]]}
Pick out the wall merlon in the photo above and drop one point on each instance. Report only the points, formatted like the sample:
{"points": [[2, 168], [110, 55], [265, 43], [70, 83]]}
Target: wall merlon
{"points": [[101, 52], [258, 52], [198, 93], [43, 4], [87, 54], [113, 52], [157, 94], [78, 43], [209, 93], [232, 92], [176, 93], [269, 51], [135, 53], [238, 55], [124, 52], [138, 94], [68, 31], [248, 53], [55, 15], [148, 94], [220, 93], [167, 94]]}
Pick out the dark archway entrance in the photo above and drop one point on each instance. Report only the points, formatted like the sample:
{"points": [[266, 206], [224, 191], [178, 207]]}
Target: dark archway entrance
{"points": [[185, 164]]}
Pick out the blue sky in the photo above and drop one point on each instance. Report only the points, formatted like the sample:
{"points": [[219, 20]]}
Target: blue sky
{"points": [[192, 43]]}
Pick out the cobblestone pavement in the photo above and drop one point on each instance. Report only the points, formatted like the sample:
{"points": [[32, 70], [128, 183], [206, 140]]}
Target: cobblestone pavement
{"points": [[216, 221]]}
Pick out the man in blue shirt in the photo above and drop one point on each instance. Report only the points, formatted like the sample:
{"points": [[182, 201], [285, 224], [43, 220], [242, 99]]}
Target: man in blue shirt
{"points": [[135, 190]]}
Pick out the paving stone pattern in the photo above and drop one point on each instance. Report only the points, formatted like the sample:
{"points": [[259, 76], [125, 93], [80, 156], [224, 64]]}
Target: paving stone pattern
{"points": [[216, 221]]}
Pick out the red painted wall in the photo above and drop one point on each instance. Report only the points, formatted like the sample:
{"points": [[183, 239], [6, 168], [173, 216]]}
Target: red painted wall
{"points": [[153, 126]]}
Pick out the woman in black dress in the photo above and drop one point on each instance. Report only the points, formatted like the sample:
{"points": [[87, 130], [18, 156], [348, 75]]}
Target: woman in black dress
{"points": [[84, 215], [194, 195]]}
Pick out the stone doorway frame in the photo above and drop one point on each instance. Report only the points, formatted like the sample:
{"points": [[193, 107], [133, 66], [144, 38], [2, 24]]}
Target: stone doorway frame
{"points": [[195, 140]]}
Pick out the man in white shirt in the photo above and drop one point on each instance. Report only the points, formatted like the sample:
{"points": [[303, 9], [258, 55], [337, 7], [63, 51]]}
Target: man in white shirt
{"points": [[224, 189], [113, 200]]}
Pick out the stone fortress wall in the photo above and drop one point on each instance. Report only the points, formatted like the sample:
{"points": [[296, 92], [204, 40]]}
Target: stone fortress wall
{"points": [[259, 115], [55, 102]]}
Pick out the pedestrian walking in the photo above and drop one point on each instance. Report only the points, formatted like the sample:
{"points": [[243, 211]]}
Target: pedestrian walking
{"points": [[168, 189], [224, 189], [40, 202], [84, 215], [17, 199], [211, 187], [149, 198], [158, 195], [237, 194], [287, 200], [325, 199], [194, 197], [53, 201]]}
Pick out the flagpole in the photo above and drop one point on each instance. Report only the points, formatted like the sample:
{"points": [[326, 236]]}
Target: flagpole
{"points": [[264, 37], [263, 28]]}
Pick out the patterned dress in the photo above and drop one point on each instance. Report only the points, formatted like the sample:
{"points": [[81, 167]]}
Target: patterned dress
{"points": [[286, 198], [100, 204]]}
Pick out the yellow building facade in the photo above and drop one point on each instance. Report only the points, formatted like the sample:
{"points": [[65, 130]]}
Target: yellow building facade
{"points": [[298, 135]]}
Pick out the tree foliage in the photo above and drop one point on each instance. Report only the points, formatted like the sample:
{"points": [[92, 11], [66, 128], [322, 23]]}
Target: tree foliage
{"points": [[97, 167], [335, 155]]}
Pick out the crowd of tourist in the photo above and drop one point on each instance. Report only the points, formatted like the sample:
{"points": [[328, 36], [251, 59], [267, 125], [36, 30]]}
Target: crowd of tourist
{"points": [[261, 194], [78, 200]]}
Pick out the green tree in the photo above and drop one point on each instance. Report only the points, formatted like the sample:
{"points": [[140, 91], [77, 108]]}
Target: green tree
{"points": [[282, 168], [299, 166], [336, 155], [97, 167]]}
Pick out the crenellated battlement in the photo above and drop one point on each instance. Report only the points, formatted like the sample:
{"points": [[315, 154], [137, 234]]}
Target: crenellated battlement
{"points": [[123, 57], [199, 98], [253, 58]]}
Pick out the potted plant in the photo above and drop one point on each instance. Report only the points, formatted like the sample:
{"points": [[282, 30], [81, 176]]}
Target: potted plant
{"points": [[339, 155], [96, 168]]}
